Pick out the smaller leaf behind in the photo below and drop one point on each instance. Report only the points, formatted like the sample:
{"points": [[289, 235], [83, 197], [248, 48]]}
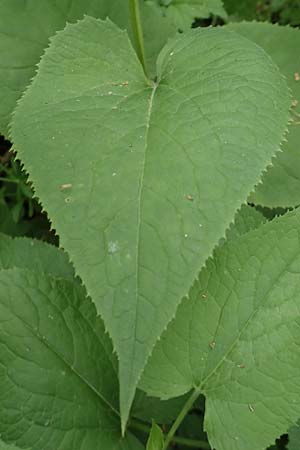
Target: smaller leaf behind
{"points": [[245, 9], [182, 13], [246, 219], [35, 255], [151, 408]]}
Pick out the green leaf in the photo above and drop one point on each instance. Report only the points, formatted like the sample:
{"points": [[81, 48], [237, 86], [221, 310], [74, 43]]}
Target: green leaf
{"points": [[7, 447], [236, 339], [34, 255], [183, 12], [290, 14], [59, 386], [281, 183], [277, 5], [246, 9], [141, 210], [270, 213], [156, 438], [151, 408], [7, 224], [246, 219], [294, 438]]}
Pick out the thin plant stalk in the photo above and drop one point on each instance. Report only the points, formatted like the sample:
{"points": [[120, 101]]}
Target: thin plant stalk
{"points": [[138, 31]]}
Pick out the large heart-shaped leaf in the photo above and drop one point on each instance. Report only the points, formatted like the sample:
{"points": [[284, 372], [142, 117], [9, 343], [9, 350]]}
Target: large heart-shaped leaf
{"points": [[236, 339], [59, 386], [139, 214], [281, 183]]}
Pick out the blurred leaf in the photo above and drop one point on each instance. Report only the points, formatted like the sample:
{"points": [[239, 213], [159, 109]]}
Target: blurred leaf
{"points": [[294, 438], [243, 9]]}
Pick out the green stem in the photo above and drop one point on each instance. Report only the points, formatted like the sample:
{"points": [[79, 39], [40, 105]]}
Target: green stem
{"points": [[138, 31], [186, 408], [192, 443], [140, 426], [9, 180]]}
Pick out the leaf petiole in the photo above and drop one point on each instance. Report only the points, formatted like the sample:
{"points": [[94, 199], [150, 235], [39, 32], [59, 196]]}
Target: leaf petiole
{"points": [[138, 31], [186, 408]]}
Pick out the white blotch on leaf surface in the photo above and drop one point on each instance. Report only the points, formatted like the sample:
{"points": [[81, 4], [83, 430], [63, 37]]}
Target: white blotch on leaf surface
{"points": [[113, 247]]}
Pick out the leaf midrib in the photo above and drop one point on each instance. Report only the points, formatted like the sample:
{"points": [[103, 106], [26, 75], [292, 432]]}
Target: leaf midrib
{"points": [[140, 195]]}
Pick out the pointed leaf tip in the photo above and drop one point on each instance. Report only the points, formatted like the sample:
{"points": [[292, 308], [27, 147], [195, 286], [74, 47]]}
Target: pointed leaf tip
{"points": [[156, 438]]}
